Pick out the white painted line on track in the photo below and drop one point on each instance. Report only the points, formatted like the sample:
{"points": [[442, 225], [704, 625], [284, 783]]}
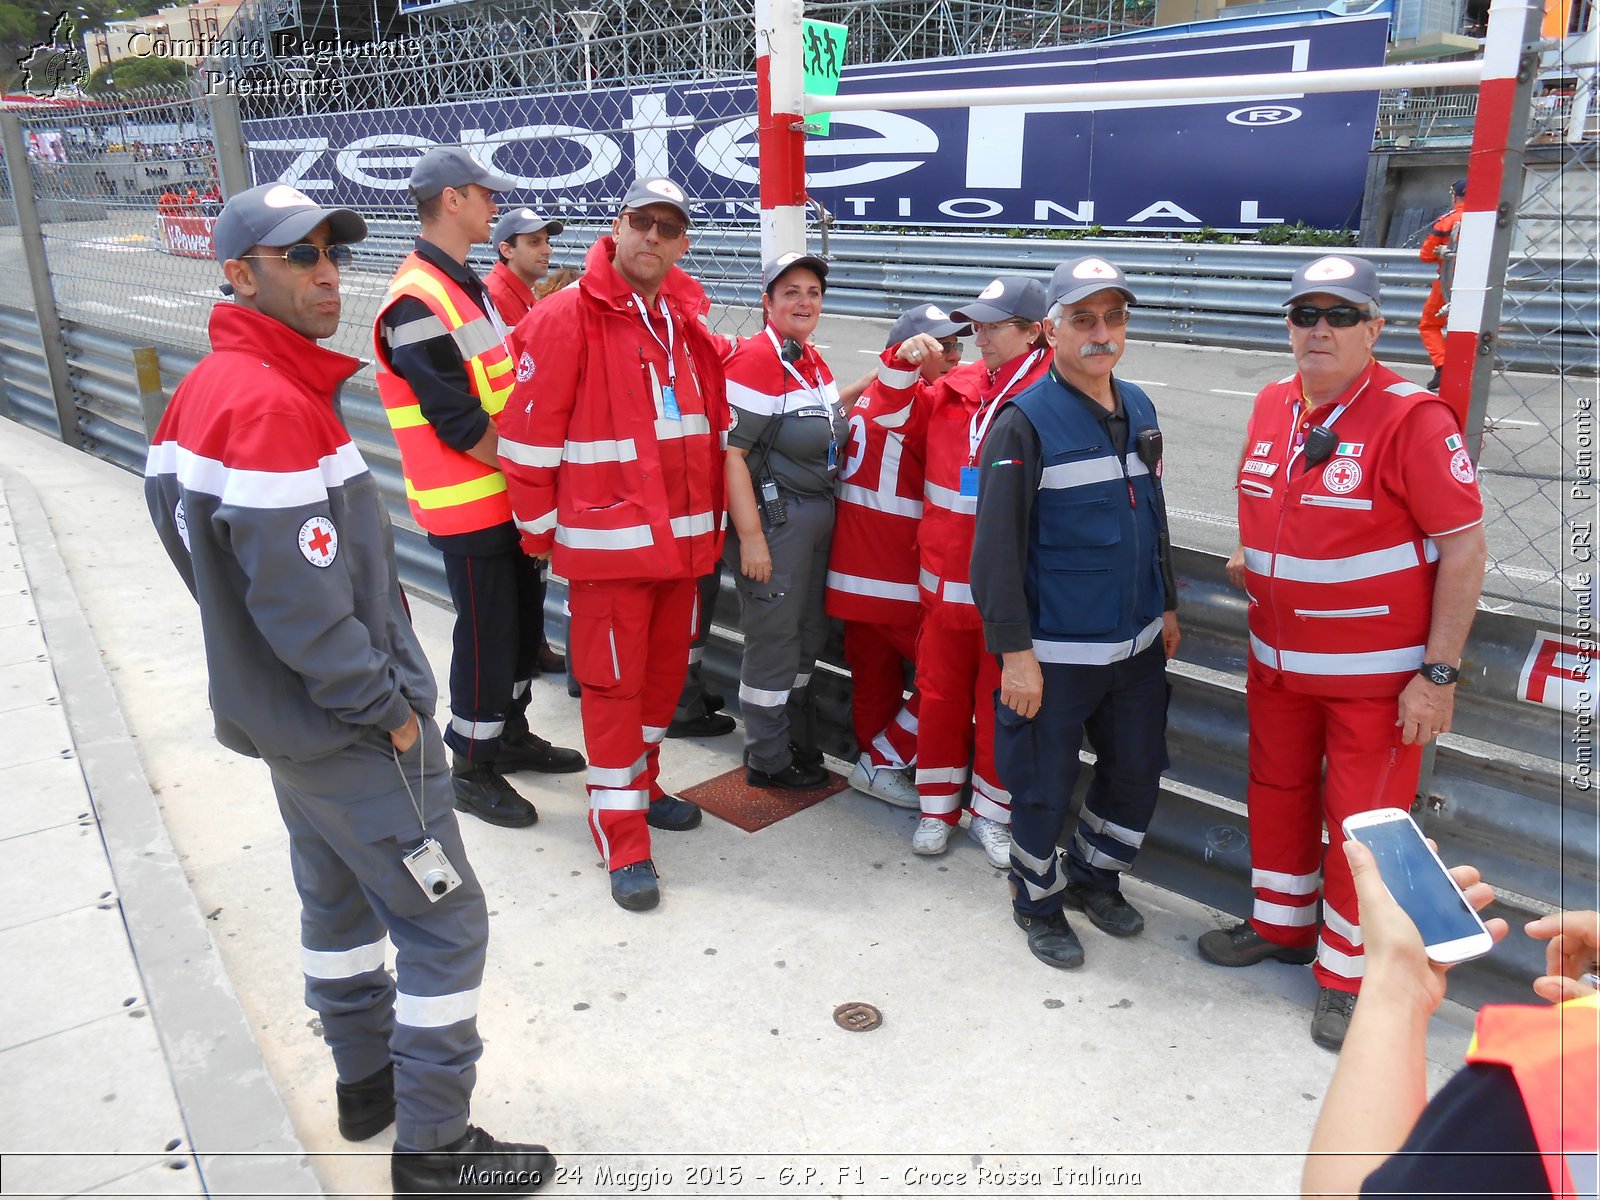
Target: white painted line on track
{"points": [[1146, 382], [164, 302], [1204, 518], [1228, 392], [1509, 421]]}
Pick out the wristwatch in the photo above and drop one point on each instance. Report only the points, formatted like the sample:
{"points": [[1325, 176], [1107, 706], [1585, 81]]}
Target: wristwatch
{"points": [[1440, 673]]}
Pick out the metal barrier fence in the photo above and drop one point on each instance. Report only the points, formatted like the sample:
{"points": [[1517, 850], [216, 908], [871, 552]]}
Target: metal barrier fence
{"points": [[1504, 792]]}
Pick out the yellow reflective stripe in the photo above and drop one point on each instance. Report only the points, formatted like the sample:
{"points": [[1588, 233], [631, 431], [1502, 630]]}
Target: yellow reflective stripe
{"points": [[492, 398], [457, 493], [422, 280], [406, 416], [500, 367]]}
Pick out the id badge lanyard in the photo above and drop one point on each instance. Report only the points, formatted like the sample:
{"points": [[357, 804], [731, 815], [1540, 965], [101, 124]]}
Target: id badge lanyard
{"points": [[978, 426], [1299, 440], [669, 394], [812, 392]]}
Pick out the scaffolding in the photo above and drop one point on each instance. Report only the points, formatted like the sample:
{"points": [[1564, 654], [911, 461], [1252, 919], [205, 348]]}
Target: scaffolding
{"points": [[485, 49]]}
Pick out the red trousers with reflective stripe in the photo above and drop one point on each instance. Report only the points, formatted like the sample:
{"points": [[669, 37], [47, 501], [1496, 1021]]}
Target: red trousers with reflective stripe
{"points": [[1289, 798], [876, 655], [629, 648], [956, 681], [1431, 327]]}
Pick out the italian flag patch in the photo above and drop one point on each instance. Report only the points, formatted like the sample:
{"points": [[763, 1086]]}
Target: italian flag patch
{"points": [[1350, 449], [1453, 442]]}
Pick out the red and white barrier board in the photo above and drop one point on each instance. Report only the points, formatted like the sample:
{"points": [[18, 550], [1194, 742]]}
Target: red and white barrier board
{"points": [[1558, 673], [186, 237]]}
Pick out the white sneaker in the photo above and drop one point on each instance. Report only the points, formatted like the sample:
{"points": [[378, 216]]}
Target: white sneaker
{"points": [[995, 839], [892, 787], [932, 837]]}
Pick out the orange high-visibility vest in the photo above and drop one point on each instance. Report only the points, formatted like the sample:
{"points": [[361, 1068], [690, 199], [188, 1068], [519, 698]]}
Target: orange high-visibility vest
{"points": [[448, 491], [1552, 1052]]}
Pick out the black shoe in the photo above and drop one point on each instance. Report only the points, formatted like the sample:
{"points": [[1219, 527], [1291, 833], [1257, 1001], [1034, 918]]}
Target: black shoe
{"points": [[794, 778], [1108, 911], [473, 1165], [711, 724], [1330, 1021], [574, 689], [1433, 384], [526, 751], [634, 886], [712, 702], [366, 1107], [484, 792], [1242, 946], [549, 662], [1051, 939], [671, 813], [806, 756]]}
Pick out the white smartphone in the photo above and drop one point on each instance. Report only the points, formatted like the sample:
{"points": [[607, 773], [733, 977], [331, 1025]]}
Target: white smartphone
{"points": [[1451, 930]]}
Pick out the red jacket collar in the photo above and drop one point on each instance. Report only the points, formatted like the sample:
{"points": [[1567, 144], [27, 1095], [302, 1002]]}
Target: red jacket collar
{"points": [[601, 282], [243, 330], [1349, 396], [513, 281]]}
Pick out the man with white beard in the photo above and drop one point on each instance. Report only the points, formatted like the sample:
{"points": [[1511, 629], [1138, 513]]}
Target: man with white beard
{"points": [[1072, 574]]}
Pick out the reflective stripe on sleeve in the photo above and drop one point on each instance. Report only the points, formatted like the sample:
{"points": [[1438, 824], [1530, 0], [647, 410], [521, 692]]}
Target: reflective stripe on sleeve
{"points": [[525, 454]]}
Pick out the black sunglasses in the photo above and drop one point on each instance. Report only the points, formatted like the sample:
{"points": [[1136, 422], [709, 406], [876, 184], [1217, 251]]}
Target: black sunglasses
{"points": [[642, 222], [1340, 316], [305, 256]]}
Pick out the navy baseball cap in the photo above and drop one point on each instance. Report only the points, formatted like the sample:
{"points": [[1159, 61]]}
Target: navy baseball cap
{"points": [[1006, 297], [1079, 278], [657, 190], [1352, 279], [1459, 187], [452, 167], [775, 269], [275, 214], [524, 220], [925, 318]]}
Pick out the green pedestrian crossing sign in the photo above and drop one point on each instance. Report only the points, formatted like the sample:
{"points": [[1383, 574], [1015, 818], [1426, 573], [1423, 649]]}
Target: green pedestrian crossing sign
{"points": [[823, 49]]}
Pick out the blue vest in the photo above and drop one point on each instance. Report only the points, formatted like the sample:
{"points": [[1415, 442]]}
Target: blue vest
{"points": [[1094, 587]]}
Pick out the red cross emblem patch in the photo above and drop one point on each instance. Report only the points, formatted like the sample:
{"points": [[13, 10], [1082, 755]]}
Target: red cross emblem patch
{"points": [[1342, 475], [319, 541]]}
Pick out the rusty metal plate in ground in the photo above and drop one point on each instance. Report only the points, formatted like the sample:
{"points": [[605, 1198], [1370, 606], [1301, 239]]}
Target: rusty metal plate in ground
{"points": [[857, 1017]]}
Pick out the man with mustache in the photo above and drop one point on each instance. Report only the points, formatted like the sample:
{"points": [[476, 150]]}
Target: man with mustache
{"points": [[1072, 574]]}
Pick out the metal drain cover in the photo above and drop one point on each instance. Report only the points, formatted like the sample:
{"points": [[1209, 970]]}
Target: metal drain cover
{"points": [[857, 1017]]}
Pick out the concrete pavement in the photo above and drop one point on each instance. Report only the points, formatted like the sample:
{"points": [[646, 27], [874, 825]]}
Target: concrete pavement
{"points": [[695, 1042]]}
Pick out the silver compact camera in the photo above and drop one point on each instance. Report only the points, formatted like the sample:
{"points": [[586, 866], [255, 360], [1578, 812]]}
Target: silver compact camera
{"points": [[431, 868]]}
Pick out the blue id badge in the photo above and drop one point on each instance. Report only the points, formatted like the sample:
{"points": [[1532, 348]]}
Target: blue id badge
{"points": [[969, 481], [833, 453], [669, 403]]}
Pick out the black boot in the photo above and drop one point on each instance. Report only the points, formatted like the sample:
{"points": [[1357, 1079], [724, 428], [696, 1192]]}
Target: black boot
{"points": [[366, 1107], [472, 1165], [485, 793]]}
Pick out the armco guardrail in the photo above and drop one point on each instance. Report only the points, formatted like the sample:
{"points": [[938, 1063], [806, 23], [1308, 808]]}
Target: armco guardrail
{"points": [[1498, 796], [1199, 293]]}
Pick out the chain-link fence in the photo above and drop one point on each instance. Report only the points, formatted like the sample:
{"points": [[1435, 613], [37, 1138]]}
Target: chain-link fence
{"points": [[104, 175], [1538, 456]]}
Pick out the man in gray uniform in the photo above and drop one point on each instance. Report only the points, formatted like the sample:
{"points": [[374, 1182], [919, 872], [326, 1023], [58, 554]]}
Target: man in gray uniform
{"points": [[276, 525]]}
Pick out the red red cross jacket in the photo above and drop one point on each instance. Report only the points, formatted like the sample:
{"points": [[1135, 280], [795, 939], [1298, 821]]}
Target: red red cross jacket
{"points": [[598, 469], [872, 567], [1339, 558], [938, 422]]}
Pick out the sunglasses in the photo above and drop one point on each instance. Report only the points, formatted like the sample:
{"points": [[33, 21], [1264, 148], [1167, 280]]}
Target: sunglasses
{"points": [[643, 222], [949, 344], [305, 256], [1340, 316], [1083, 322], [990, 328]]}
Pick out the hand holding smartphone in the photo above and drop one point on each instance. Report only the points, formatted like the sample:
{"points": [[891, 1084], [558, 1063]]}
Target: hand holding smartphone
{"points": [[1451, 930]]}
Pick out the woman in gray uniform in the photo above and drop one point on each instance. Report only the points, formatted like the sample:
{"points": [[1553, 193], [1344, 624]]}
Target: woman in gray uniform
{"points": [[783, 455]]}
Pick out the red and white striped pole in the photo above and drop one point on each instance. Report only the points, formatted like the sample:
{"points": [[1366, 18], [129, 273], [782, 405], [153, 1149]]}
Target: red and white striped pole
{"points": [[1494, 191], [780, 82]]}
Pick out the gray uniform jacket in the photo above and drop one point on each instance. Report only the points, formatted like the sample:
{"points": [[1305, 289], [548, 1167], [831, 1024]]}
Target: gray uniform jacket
{"points": [[271, 516]]}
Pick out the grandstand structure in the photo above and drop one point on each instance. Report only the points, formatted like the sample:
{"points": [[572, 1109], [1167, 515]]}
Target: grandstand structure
{"points": [[465, 49]]}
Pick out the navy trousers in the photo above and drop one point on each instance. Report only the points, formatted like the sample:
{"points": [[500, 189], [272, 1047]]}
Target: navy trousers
{"points": [[1122, 708]]}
